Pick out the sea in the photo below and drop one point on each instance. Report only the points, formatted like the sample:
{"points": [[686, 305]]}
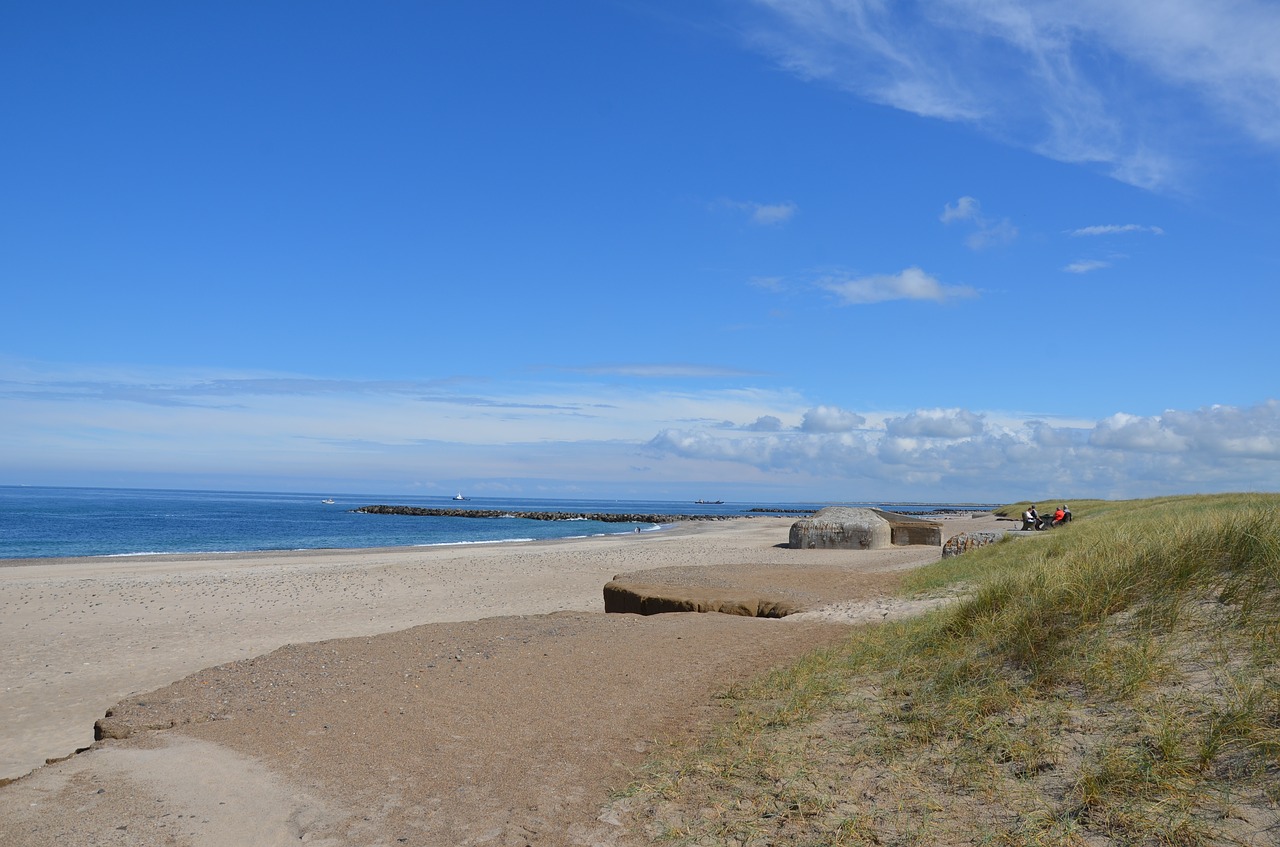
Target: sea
{"points": [[40, 522]]}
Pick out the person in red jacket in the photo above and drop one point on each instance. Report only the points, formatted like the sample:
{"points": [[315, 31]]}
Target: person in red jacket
{"points": [[1060, 516]]}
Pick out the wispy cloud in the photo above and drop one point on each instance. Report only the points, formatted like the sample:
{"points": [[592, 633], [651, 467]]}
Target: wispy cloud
{"points": [[1084, 266], [178, 390], [1117, 229], [768, 283], [1096, 81], [910, 284], [664, 371], [773, 213], [763, 214], [598, 429], [140, 410], [990, 232]]}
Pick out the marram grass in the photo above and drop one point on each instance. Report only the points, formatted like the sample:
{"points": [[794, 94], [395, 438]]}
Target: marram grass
{"points": [[1115, 682]]}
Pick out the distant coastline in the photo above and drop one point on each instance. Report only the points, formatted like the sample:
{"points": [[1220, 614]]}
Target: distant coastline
{"points": [[602, 517], [897, 510], [633, 517]]}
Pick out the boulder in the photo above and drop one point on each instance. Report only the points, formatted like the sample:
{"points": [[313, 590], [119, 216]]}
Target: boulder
{"points": [[842, 528]]}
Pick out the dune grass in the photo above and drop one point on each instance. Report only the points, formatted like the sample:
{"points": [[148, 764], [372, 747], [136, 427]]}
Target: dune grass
{"points": [[1112, 682]]}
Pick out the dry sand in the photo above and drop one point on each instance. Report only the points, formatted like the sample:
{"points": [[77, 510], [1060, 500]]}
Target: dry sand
{"points": [[448, 695]]}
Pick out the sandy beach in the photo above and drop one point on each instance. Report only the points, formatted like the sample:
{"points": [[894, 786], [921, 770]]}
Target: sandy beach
{"points": [[472, 694]]}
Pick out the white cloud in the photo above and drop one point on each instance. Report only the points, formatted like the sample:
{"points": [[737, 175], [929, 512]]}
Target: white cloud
{"points": [[772, 213], [936, 423], [1128, 432], [766, 423], [763, 214], [831, 419], [965, 209], [1095, 81], [1117, 229], [989, 233], [1084, 266], [1218, 431], [910, 284], [961, 453]]}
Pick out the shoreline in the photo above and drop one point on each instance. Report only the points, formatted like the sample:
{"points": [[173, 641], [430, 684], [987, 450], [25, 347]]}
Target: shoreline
{"points": [[667, 523], [233, 555]]}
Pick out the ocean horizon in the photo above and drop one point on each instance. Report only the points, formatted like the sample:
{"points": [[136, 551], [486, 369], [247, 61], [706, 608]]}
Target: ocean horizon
{"points": [[61, 522]]}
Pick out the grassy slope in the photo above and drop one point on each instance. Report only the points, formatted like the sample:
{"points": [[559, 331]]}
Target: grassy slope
{"points": [[1111, 682]]}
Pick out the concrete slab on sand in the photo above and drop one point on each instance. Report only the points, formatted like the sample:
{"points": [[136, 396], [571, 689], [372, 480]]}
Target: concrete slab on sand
{"points": [[501, 731], [770, 591]]}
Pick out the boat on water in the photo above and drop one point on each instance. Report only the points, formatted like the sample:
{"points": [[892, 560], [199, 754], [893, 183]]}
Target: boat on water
{"points": [[708, 502], [328, 501], [459, 496]]}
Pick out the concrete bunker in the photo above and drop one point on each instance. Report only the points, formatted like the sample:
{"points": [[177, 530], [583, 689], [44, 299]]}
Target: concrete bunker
{"points": [[849, 528]]}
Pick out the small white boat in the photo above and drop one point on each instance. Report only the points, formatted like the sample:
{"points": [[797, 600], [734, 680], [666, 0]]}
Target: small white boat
{"points": [[327, 501], [459, 496]]}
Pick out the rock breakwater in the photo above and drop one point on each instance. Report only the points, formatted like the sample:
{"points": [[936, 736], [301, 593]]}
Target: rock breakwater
{"points": [[604, 517]]}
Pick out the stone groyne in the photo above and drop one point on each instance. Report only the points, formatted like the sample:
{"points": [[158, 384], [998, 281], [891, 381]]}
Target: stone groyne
{"points": [[604, 517]]}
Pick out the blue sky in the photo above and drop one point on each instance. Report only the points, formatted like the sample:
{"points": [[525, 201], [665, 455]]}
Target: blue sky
{"points": [[748, 250]]}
